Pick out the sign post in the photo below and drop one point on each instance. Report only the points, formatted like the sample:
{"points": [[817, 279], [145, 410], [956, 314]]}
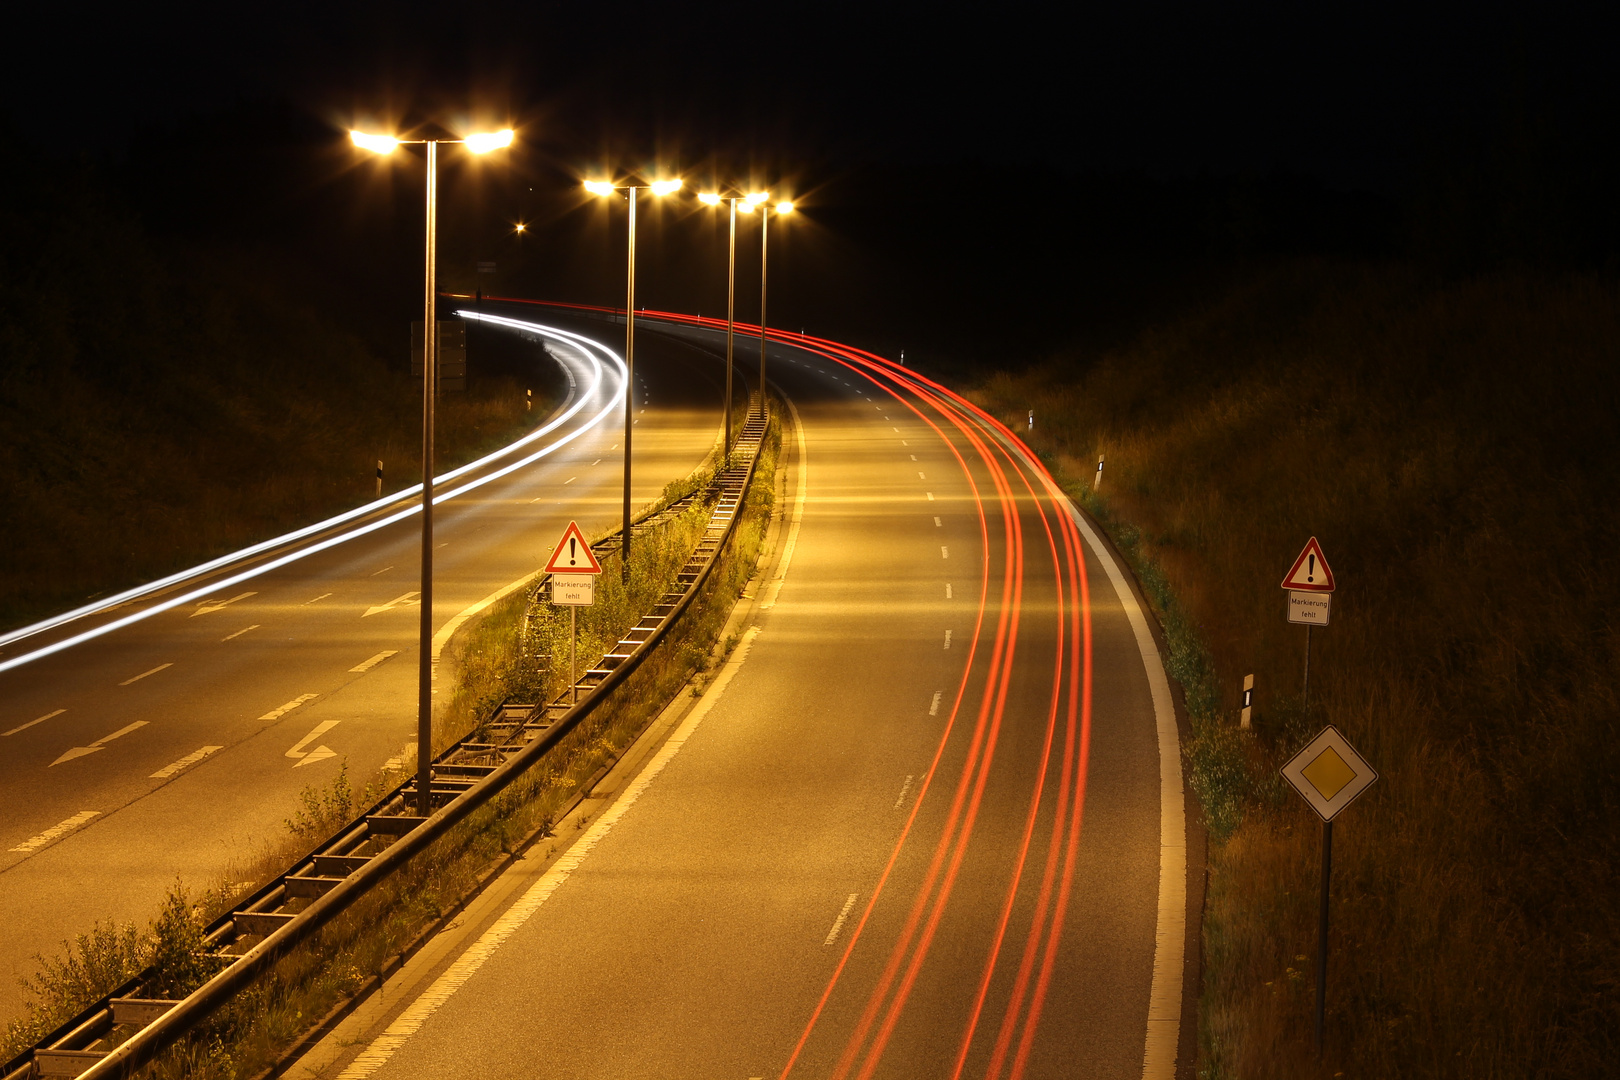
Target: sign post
{"points": [[1330, 775], [573, 569], [1310, 588]]}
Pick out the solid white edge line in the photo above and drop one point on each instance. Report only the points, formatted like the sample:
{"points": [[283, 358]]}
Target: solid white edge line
{"points": [[1165, 994], [409, 1022], [802, 483], [1170, 937]]}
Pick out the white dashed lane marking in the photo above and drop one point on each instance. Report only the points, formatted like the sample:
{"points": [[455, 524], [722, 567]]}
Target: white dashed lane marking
{"points": [[31, 723], [178, 767], [367, 665], [144, 674], [838, 923], [277, 714], [240, 632], [56, 831]]}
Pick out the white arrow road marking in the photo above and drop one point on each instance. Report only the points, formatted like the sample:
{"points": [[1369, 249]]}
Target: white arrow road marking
{"points": [[33, 845], [277, 714], [320, 753], [184, 763], [31, 723], [214, 605], [367, 665], [81, 751], [394, 764], [402, 599], [299, 753], [144, 674]]}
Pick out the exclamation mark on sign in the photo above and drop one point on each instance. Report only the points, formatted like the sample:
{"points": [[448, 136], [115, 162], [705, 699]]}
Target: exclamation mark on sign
{"points": [[572, 543], [1310, 574]]}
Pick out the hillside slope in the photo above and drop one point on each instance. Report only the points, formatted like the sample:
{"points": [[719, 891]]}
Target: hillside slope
{"points": [[1453, 446], [159, 406]]}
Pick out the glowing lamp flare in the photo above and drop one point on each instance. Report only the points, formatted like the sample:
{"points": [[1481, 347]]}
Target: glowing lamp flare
{"points": [[485, 141], [784, 207], [709, 198], [599, 187], [666, 187], [377, 144]]}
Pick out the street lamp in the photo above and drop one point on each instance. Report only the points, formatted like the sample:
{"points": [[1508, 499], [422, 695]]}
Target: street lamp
{"points": [[478, 143], [606, 189], [714, 199], [760, 200]]}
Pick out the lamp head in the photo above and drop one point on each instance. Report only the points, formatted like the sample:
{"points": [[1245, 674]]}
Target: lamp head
{"points": [[377, 144], [708, 198], [784, 207], [666, 187], [485, 141], [600, 187]]}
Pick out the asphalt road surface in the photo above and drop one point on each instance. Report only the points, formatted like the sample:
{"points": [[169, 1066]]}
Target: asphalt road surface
{"points": [[927, 821], [174, 746]]}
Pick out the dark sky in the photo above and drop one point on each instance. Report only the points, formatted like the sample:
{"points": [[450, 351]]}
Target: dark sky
{"points": [[1343, 92], [987, 158]]}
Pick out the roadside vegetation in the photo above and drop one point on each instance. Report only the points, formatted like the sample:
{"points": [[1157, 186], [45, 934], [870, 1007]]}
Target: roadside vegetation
{"points": [[1452, 444], [160, 405], [495, 661]]}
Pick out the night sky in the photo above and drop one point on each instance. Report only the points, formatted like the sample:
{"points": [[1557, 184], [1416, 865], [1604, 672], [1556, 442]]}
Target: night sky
{"points": [[1023, 145]]}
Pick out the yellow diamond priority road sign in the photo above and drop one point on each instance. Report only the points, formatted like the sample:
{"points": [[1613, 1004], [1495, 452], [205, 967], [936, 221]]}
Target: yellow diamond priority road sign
{"points": [[1329, 773]]}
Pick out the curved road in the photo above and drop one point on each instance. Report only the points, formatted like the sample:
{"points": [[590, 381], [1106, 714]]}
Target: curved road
{"points": [[175, 744], [927, 821]]}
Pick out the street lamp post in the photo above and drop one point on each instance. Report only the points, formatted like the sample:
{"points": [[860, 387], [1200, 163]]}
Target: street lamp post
{"points": [[711, 199], [761, 200], [481, 143], [604, 188]]}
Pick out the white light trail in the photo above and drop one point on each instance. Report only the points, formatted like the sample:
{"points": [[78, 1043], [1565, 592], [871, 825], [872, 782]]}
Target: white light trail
{"points": [[593, 352]]}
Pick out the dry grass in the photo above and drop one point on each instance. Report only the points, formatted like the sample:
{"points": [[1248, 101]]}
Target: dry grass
{"points": [[1452, 444]]}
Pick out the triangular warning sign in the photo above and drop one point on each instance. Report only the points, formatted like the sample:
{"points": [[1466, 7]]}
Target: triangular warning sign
{"points": [[1310, 572], [573, 554]]}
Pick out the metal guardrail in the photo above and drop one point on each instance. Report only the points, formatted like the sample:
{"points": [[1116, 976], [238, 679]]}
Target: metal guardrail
{"points": [[291, 909]]}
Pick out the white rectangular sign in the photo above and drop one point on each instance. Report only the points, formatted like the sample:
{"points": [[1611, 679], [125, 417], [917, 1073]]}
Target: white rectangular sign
{"points": [[573, 590], [1310, 608]]}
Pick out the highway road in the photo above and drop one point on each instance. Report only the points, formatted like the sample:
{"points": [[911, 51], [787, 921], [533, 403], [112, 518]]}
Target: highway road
{"points": [[176, 744], [927, 821]]}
